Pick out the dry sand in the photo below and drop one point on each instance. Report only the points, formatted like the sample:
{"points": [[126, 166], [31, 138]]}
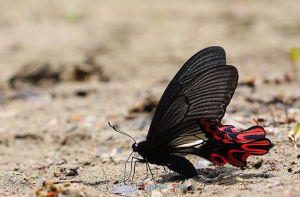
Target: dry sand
{"points": [[68, 67]]}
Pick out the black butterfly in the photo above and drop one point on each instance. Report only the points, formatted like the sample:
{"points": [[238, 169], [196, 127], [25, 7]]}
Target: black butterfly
{"points": [[188, 119]]}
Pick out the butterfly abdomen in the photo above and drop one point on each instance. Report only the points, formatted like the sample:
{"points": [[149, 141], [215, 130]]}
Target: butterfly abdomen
{"points": [[181, 165]]}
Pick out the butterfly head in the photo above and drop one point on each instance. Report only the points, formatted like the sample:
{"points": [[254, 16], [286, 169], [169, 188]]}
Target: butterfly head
{"points": [[140, 147], [135, 147]]}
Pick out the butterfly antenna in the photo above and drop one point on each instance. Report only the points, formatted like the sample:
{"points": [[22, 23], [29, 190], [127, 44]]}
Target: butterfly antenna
{"points": [[119, 131]]}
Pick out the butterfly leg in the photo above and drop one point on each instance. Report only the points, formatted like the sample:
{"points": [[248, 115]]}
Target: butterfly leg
{"points": [[129, 171], [137, 160], [124, 179], [148, 167], [165, 168], [134, 169], [146, 172]]}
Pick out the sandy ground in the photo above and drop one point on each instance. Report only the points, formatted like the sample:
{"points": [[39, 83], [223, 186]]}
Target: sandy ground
{"points": [[68, 67]]}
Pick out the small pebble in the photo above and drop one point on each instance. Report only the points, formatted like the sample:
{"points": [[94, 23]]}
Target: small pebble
{"points": [[115, 151], [202, 163], [156, 194], [105, 157], [72, 172], [124, 190]]}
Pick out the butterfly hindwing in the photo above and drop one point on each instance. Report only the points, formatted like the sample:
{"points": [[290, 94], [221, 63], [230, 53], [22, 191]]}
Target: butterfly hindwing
{"points": [[233, 153], [227, 145]]}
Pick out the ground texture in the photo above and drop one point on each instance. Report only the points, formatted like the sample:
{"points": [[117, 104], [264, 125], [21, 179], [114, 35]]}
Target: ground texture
{"points": [[68, 67]]}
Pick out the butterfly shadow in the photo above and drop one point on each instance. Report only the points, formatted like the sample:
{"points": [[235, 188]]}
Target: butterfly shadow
{"points": [[226, 176], [205, 175], [216, 175]]}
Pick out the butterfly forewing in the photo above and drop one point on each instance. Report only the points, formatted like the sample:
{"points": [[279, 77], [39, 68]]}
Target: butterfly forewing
{"points": [[203, 60], [211, 102], [183, 114]]}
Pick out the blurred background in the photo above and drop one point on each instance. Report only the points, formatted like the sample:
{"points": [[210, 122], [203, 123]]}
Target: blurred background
{"points": [[134, 39], [69, 66]]}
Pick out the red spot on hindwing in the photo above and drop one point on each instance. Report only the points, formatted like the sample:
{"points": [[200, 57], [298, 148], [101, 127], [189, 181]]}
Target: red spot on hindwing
{"points": [[251, 134], [257, 147], [234, 158], [227, 129], [217, 159]]}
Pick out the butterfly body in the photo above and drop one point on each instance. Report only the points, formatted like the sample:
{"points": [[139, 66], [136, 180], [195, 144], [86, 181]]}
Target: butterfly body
{"points": [[188, 118], [165, 157], [154, 154]]}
